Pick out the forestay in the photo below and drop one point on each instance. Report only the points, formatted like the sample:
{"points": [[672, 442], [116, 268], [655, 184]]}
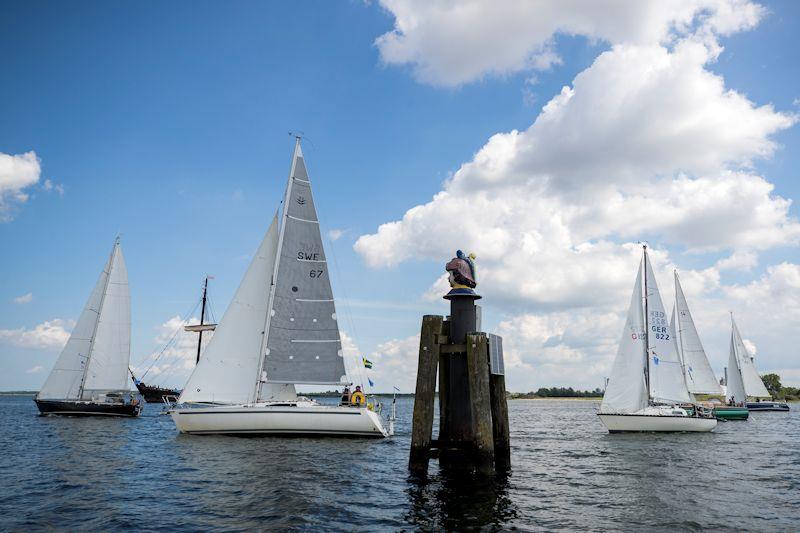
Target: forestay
{"points": [[64, 381], [228, 371], [626, 391], [734, 385], [666, 372], [753, 385], [700, 379], [303, 342]]}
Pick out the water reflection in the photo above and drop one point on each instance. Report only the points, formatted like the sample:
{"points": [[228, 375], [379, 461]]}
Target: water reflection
{"points": [[456, 498]]}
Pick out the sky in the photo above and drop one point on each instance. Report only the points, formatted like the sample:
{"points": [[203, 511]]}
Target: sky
{"points": [[548, 138]]}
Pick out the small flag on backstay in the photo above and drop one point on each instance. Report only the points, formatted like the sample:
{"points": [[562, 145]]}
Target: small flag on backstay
{"points": [[367, 362]]}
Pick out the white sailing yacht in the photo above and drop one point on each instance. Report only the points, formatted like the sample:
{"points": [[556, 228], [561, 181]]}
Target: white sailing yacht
{"points": [[90, 376], [280, 330], [647, 384], [700, 379], [742, 379]]}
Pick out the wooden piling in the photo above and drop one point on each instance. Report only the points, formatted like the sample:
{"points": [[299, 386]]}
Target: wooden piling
{"points": [[480, 396], [500, 426], [422, 423]]}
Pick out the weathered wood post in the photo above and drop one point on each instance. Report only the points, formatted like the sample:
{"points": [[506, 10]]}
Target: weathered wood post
{"points": [[473, 414], [478, 368], [422, 423]]}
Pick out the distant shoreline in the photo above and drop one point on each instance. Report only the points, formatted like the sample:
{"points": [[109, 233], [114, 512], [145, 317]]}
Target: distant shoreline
{"points": [[570, 398]]}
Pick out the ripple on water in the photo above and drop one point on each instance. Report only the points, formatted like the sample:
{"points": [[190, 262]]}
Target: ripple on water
{"points": [[567, 473]]}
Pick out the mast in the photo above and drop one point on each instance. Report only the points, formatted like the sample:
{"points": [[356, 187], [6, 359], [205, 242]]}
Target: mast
{"points": [[679, 332], [97, 322], [273, 282], [646, 330], [202, 319]]}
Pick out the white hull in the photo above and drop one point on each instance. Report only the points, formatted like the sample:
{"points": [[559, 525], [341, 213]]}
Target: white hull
{"points": [[286, 419], [617, 423]]}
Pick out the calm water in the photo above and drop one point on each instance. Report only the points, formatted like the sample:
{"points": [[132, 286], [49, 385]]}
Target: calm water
{"points": [[567, 474]]}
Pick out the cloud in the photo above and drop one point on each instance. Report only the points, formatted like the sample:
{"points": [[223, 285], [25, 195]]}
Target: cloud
{"points": [[645, 144], [49, 186], [35, 370], [395, 364], [449, 43], [17, 173], [336, 234], [24, 299], [49, 335], [641, 146]]}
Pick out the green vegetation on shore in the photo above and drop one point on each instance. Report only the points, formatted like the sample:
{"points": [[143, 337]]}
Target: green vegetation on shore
{"points": [[557, 392], [773, 384]]}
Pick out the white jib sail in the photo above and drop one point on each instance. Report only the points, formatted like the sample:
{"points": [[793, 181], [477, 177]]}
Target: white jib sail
{"points": [[65, 379], [667, 383], [111, 349], [228, 371], [626, 391], [734, 387], [303, 341], [753, 385], [700, 379]]}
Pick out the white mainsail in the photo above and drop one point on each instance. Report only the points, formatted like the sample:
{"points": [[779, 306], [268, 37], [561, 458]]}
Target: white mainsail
{"points": [[626, 391], [753, 384], [228, 371], [97, 354], [667, 383], [734, 386], [700, 378], [303, 342]]}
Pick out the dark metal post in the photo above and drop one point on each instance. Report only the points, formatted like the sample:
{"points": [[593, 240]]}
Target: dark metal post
{"points": [[202, 318]]}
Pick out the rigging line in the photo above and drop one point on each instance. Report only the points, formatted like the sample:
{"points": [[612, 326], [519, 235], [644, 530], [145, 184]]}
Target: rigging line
{"points": [[171, 340], [360, 371]]}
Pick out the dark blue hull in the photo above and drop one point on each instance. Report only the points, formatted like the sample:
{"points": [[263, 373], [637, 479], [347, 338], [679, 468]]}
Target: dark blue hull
{"points": [[75, 408], [768, 406]]}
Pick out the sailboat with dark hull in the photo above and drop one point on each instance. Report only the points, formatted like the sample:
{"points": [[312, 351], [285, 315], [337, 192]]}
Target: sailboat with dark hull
{"points": [[90, 376], [155, 394]]}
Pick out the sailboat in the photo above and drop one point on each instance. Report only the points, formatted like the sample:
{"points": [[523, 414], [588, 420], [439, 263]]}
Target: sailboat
{"points": [[743, 381], [699, 377], [90, 376], [280, 330], [155, 394], [647, 387]]}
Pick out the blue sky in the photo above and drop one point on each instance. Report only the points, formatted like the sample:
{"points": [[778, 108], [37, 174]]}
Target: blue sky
{"points": [[167, 123]]}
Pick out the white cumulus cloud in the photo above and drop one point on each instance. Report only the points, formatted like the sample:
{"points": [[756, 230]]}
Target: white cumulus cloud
{"points": [[451, 42], [49, 335], [17, 174], [645, 144]]}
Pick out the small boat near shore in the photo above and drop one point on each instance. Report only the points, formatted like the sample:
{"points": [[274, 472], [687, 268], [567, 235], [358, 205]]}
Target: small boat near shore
{"points": [[744, 386], [90, 377], [647, 386]]}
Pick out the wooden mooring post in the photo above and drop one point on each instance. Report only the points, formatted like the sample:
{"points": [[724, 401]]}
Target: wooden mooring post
{"points": [[473, 411]]}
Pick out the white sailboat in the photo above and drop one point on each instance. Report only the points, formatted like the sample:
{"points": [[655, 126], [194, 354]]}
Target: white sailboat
{"points": [[90, 376], [280, 330], [647, 384], [743, 381], [700, 379]]}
